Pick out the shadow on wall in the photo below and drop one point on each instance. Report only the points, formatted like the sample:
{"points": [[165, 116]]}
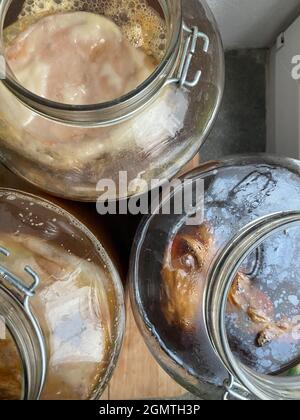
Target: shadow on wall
{"points": [[241, 124], [253, 23]]}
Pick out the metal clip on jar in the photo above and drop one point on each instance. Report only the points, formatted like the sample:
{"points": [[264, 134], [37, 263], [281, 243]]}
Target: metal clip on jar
{"points": [[61, 304], [151, 132], [18, 316], [218, 301]]}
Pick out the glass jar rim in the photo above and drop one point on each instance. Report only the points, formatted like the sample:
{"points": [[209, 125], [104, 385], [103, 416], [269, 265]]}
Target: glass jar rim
{"points": [[29, 341], [221, 277], [150, 85]]}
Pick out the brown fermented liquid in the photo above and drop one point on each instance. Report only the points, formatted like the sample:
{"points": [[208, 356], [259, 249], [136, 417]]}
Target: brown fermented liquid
{"points": [[86, 213], [75, 311], [10, 369], [78, 58], [141, 22]]}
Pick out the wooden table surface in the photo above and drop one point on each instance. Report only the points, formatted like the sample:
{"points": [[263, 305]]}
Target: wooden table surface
{"points": [[138, 375]]}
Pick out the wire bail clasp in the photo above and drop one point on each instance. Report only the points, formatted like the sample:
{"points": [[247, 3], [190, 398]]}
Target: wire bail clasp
{"points": [[28, 292], [188, 55], [16, 282], [235, 390]]}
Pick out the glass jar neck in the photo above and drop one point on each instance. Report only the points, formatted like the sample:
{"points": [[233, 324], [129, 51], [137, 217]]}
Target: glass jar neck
{"points": [[110, 112], [28, 339], [221, 277]]}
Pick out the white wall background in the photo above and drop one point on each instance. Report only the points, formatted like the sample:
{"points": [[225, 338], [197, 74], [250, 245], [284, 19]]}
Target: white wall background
{"points": [[284, 97], [253, 23]]}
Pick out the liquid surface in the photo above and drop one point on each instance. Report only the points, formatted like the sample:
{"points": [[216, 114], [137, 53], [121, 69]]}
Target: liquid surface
{"points": [[140, 21], [77, 58]]}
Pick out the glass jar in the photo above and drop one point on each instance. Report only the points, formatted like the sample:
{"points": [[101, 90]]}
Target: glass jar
{"points": [[151, 132], [61, 303], [217, 297]]}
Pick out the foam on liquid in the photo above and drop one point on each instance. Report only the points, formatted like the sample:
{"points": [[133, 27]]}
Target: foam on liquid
{"points": [[141, 24], [111, 46]]}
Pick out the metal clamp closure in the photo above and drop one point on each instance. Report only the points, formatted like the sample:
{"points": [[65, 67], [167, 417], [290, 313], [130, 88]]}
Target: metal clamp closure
{"points": [[188, 53], [15, 281], [26, 293], [235, 390]]}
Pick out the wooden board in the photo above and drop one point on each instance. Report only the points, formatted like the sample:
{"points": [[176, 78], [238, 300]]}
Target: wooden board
{"points": [[191, 165], [137, 375]]}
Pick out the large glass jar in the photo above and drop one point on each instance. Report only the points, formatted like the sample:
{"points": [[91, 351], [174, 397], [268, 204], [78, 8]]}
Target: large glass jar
{"points": [[151, 132], [217, 297], [61, 303]]}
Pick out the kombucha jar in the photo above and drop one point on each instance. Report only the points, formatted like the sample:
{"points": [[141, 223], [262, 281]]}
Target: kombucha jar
{"points": [[61, 303], [95, 88], [216, 296]]}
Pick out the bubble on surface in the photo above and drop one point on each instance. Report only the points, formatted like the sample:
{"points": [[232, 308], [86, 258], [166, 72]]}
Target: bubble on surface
{"points": [[140, 23]]}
